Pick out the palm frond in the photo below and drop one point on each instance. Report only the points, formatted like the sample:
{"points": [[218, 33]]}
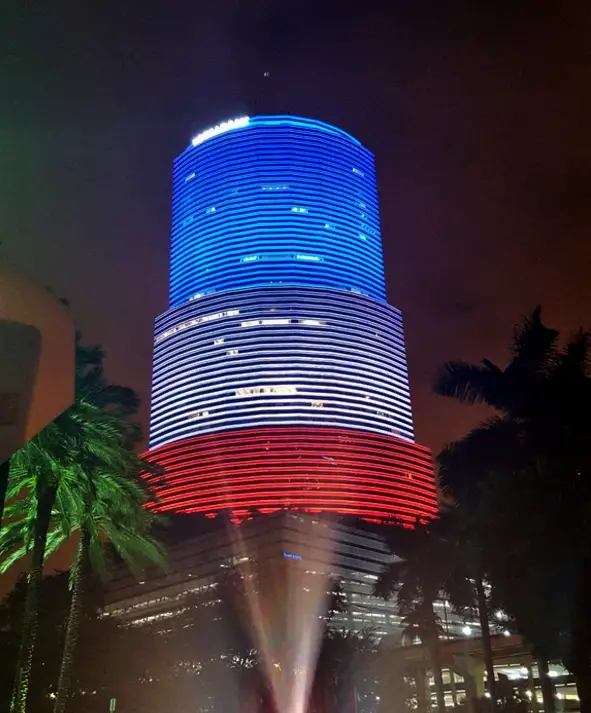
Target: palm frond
{"points": [[86, 456], [534, 344], [470, 383], [17, 547], [487, 451]]}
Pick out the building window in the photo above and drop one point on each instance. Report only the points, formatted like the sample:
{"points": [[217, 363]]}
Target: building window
{"points": [[211, 210], [190, 177], [198, 414], [264, 322], [250, 258], [297, 209], [232, 352], [317, 404], [195, 322], [219, 340], [358, 172], [311, 258], [267, 390], [312, 322]]}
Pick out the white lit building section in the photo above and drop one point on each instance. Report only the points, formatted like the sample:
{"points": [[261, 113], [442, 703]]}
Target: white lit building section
{"points": [[339, 357]]}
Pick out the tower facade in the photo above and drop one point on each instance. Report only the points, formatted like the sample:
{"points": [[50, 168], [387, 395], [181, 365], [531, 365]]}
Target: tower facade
{"points": [[279, 376]]}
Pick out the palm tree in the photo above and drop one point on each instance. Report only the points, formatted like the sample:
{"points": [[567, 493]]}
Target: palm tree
{"points": [[115, 517], [424, 570], [49, 484], [343, 662], [463, 548], [521, 480]]}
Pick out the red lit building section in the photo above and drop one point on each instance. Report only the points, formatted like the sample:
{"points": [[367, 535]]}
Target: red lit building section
{"points": [[326, 470]]}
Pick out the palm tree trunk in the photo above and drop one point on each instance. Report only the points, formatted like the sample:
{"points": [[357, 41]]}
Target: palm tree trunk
{"points": [[437, 674], [486, 640], [546, 685], [423, 703], [45, 502], [453, 687], [4, 473], [74, 620]]}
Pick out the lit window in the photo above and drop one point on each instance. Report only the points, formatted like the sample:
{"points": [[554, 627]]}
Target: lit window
{"points": [[197, 296], [362, 236], [297, 209], [317, 404], [329, 226], [275, 188], [220, 340], [358, 172], [265, 322], [267, 390], [312, 258], [312, 322], [281, 390], [196, 321], [276, 256], [189, 177], [232, 352], [250, 258], [211, 210], [198, 414]]}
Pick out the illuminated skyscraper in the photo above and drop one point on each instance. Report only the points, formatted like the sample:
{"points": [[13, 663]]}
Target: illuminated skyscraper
{"points": [[280, 374]]}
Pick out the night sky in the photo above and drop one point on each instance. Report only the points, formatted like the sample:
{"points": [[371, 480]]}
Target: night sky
{"points": [[479, 115]]}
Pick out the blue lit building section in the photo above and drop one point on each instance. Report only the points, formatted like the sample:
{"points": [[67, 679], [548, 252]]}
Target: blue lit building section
{"points": [[276, 200], [279, 356]]}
